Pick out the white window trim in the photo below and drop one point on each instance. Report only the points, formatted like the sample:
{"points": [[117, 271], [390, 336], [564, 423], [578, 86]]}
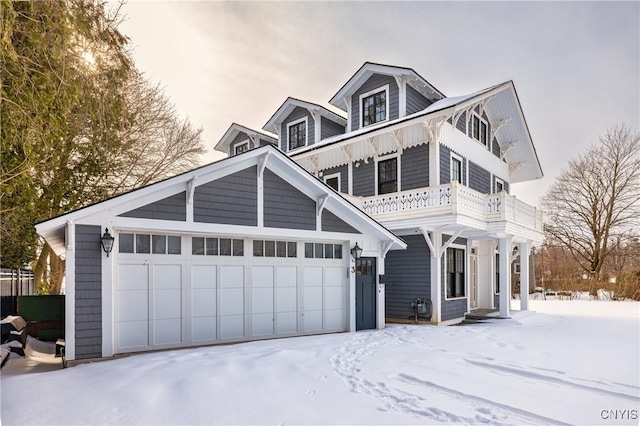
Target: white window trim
{"points": [[462, 165], [470, 130], [384, 88], [335, 175], [496, 285], [304, 119], [235, 147], [398, 173], [497, 180], [466, 272]]}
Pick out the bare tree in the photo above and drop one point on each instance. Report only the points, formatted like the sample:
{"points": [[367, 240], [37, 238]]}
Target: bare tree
{"points": [[594, 206]]}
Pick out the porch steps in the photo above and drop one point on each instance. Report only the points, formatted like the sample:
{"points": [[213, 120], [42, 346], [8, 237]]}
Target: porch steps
{"points": [[480, 316]]}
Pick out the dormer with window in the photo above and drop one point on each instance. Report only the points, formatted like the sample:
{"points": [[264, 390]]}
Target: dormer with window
{"points": [[299, 124], [238, 139], [380, 93]]}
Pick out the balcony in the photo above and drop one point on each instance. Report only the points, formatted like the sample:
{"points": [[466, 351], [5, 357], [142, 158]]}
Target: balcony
{"points": [[450, 199]]}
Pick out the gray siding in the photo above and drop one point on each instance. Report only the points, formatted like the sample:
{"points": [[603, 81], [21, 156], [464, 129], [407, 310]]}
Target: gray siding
{"points": [[462, 122], [332, 223], [495, 147], [88, 288], [493, 183], [374, 82], [496, 301], [452, 309], [445, 165], [232, 199], [285, 206], [479, 178], [415, 167], [407, 276], [170, 208], [364, 180], [330, 128], [344, 176], [415, 101], [264, 142], [295, 115]]}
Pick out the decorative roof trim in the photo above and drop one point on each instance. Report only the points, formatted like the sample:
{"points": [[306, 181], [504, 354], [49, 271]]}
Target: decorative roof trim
{"points": [[290, 104], [232, 132]]}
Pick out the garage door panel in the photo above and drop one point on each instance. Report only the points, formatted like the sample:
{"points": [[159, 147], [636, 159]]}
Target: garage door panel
{"points": [[232, 301], [287, 276], [231, 326], [334, 319], [262, 300], [231, 276], [133, 334], [313, 321], [133, 305], [133, 277], [167, 331], [312, 276], [334, 298], [263, 276], [203, 276], [287, 300], [204, 329], [167, 277], [287, 322], [203, 302], [333, 276], [313, 299], [262, 324], [167, 304]]}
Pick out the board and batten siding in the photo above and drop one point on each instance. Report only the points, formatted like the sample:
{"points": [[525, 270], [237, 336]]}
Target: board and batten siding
{"points": [[344, 176], [416, 101], [374, 82], [231, 200], [479, 178], [330, 128], [364, 179], [88, 292], [285, 206], [170, 208], [332, 223], [407, 277], [414, 167], [295, 115]]}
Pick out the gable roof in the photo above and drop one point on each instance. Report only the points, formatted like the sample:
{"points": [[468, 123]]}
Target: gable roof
{"points": [[235, 129], [290, 104], [414, 79], [53, 230], [503, 109]]}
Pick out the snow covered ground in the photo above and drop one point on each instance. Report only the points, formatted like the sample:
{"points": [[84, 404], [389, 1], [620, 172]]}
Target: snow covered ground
{"points": [[573, 362]]}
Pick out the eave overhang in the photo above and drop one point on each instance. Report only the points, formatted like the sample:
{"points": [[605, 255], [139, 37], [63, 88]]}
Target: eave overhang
{"points": [[235, 129], [290, 104]]}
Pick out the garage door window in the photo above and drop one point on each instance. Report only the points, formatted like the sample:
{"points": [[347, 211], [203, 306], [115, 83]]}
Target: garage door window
{"points": [[201, 246], [322, 251], [266, 248], [146, 244]]}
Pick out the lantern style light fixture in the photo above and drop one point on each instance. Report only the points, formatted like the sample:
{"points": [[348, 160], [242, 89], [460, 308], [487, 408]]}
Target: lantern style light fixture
{"points": [[107, 241], [356, 252]]}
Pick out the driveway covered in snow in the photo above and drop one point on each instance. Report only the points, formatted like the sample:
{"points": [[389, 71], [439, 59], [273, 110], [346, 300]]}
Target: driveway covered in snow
{"points": [[571, 362]]}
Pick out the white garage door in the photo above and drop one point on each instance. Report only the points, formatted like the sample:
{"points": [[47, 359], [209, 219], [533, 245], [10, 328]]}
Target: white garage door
{"points": [[214, 289]]}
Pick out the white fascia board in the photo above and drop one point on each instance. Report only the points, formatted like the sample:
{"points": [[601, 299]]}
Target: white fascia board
{"points": [[233, 131], [291, 103]]}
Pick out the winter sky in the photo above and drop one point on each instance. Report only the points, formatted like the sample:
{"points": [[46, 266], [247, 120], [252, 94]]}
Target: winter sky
{"points": [[575, 65]]}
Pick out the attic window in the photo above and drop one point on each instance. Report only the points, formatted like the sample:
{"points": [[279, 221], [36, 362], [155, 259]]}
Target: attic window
{"points": [[375, 106], [241, 147], [479, 129], [297, 134]]}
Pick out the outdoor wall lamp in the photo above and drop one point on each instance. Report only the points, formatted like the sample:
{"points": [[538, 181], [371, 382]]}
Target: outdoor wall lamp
{"points": [[356, 252], [107, 241]]}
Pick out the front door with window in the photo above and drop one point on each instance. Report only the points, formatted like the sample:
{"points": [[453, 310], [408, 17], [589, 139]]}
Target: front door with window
{"points": [[365, 293]]}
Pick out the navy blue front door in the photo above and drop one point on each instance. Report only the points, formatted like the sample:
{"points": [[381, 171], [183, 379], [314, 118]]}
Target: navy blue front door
{"points": [[365, 293]]}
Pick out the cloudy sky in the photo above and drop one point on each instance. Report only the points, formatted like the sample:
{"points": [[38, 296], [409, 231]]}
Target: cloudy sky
{"points": [[575, 65]]}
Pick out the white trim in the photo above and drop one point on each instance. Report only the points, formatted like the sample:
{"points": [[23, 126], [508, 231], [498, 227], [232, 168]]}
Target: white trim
{"points": [[385, 89], [333, 176], [304, 119], [108, 306], [398, 164], [462, 164], [466, 270], [243, 143], [496, 181], [70, 293]]}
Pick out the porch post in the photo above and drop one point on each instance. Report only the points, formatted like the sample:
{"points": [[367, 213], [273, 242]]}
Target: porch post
{"points": [[525, 249], [505, 274], [436, 277]]}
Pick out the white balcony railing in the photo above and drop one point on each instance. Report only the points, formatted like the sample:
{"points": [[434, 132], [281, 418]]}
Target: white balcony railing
{"points": [[451, 198]]}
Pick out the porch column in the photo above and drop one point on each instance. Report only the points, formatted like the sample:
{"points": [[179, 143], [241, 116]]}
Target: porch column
{"points": [[434, 241], [525, 249], [505, 274]]}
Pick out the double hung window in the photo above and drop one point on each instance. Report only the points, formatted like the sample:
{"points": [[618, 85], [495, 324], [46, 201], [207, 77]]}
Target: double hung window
{"points": [[455, 273], [374, 106], [388, 176], [297, 133]]}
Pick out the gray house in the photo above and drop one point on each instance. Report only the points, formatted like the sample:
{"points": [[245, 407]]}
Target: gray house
{"points": [[250, 247], [436, 171]]}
